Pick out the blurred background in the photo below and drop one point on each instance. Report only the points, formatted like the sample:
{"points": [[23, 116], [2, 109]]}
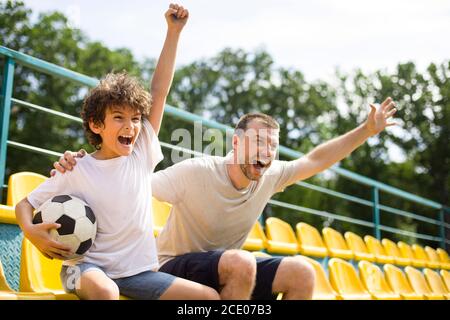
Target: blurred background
{"points": [[313, 65]]}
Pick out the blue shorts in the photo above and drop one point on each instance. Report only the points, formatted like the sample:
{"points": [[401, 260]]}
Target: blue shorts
{"points": [[147, 285], [203, 267]]}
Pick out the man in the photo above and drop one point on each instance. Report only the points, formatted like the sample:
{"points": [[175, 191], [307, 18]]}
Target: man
{"points": [[216, 201]]}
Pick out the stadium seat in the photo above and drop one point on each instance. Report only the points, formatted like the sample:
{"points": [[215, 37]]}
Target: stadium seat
{"points": [[419, 284], [446, 278], [21, 184], [358, 247], [161, 211], [310, 241], [399, 283], [256, 239], [407, 252], [373, 279], [433, 256], [420, 254], [7, 214], [337, 247], [6, 293], [280, 237], [345, 281], [377, 250], [391, 249], [322, 287], [435, 282], [443, 257], [40, 274]]}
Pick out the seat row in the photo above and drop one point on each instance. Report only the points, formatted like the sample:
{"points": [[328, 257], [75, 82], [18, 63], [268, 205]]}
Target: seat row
{"points": [[281, 239], [39, 279]]}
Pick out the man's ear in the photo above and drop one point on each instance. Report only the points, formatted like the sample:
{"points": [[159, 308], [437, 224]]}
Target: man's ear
{"points": [[235, 141], [95, 127]]}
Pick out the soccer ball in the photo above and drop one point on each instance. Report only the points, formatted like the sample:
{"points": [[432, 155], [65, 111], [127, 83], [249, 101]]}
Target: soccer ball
{"points": [[77, 220]]}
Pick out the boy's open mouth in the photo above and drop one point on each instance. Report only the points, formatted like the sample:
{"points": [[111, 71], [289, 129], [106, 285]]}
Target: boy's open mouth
{"points": [[126, 140]]}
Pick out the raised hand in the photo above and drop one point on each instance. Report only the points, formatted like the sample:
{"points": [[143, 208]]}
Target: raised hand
{"points": [[176, 17], [378, 117]]}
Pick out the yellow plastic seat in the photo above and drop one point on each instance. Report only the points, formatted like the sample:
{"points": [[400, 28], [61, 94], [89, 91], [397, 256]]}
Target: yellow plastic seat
{"points": [[391, 249], [256, 239], [399, 283], [374, 246], [161, 211], [435, 283], [443, 257], [337, 247], [433, 256], [40, 274], [446, 278], [358, 247], [21, 184], [310, 241], [345, 281], [280, 237], [419, 284], [421, 255], [6, 293], [407, 252], [373, 279], [7, 214], [322, 287]]}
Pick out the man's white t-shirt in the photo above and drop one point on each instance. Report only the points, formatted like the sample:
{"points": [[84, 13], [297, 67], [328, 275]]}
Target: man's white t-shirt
{"points": [[208, 212], [120, 194]]}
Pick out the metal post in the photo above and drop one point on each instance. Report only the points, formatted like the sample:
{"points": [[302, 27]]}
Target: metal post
{"points": [[376, 212], [5, 110]]}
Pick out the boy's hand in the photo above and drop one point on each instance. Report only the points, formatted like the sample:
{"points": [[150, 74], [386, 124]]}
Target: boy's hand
{"points": [[39, 235], [176, 17], [378, 117], [67, 161]]}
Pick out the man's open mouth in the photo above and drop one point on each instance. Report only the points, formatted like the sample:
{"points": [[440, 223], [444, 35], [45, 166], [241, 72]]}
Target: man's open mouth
{"points": [[126, 140], [261, 164]]}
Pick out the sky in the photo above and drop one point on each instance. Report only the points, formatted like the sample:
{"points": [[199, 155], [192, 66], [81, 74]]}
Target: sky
{"points": [[315, 37]]}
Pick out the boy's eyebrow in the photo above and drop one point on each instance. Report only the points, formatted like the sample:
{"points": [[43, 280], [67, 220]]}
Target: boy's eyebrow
{"points": [[138, 113]]}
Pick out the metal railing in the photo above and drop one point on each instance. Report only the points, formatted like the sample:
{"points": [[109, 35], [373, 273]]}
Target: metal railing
{"points": [[12, 57]]}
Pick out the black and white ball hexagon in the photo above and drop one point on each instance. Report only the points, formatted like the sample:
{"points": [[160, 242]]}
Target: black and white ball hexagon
{"points": [[77, 220]]}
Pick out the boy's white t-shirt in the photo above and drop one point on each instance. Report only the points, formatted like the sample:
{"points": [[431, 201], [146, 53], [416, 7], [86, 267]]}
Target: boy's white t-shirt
{"points": [[119, 192]]}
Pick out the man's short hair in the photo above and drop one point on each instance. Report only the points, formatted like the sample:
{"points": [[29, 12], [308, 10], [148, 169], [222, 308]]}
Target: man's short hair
{"points": [[265, 119]]}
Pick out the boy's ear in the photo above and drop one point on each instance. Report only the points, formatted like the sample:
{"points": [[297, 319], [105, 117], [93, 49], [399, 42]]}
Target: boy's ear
{"points": [[95, 127]]}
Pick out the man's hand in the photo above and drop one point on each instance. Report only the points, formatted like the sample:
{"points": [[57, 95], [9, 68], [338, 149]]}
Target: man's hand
{"points": [[378, 117], [67, 161], [176, 17]]}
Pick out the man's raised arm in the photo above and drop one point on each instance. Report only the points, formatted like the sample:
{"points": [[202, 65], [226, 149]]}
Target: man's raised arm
{"points": [[333, 151]]}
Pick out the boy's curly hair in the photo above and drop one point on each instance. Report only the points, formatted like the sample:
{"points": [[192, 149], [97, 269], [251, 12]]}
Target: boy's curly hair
{"points": [[118, 90]]}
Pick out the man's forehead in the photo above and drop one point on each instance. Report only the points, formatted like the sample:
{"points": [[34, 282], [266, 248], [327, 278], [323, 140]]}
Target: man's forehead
{"points": [[262, 131]]}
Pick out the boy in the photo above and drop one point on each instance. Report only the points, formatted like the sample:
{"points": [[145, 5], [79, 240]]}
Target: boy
{"points": [[122, 122]]}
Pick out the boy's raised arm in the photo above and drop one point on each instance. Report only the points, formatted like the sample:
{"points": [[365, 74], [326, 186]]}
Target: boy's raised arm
{"points": [[176, 17]]}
